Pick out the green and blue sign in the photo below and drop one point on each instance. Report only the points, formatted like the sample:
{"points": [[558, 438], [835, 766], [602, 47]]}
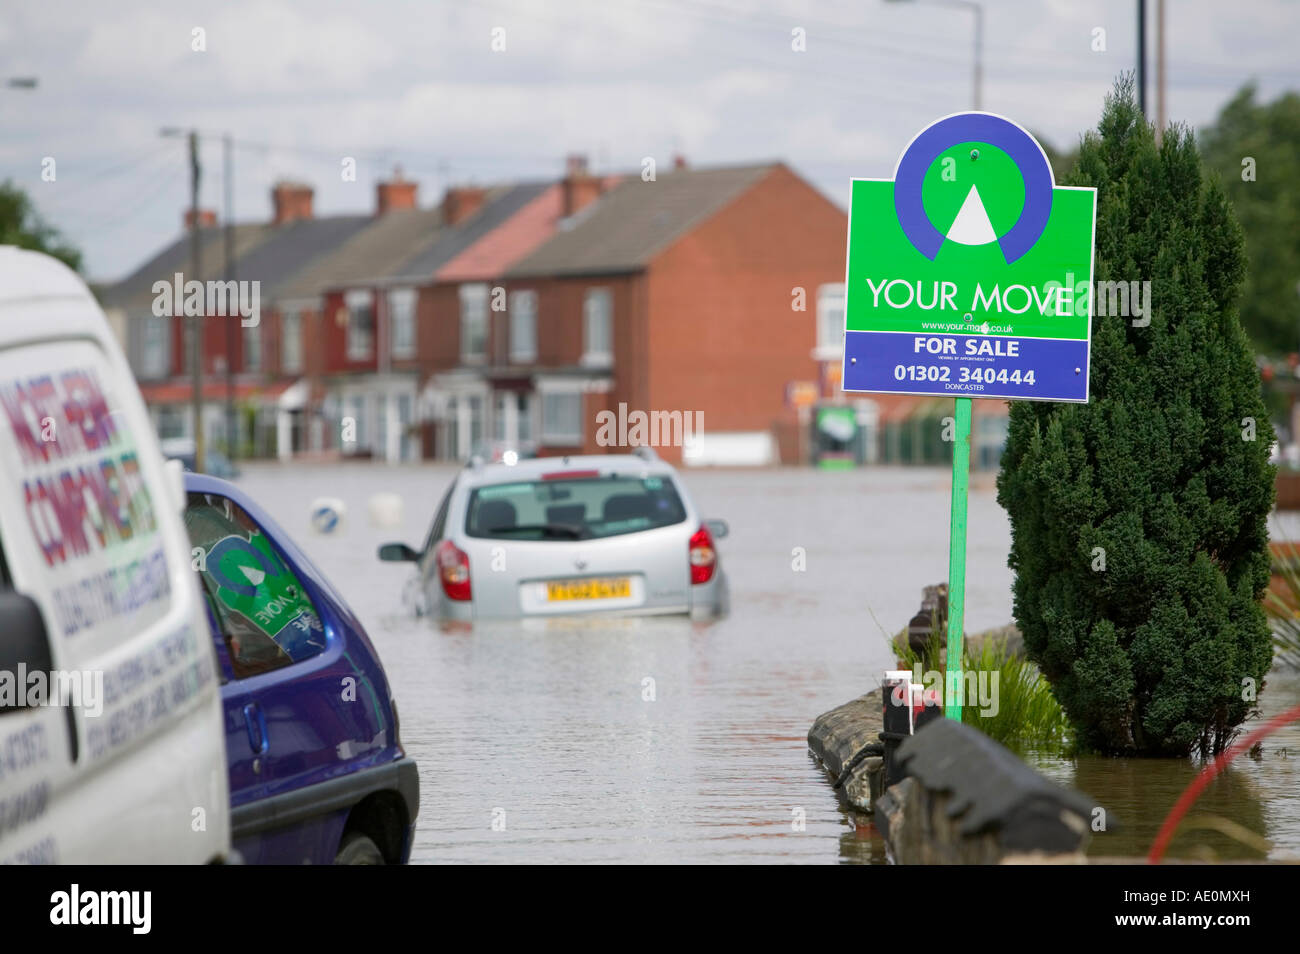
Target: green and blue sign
{"points": [[970, 272]]}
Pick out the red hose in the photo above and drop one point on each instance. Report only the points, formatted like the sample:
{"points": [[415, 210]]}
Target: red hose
{"points": [[1208, 774]]}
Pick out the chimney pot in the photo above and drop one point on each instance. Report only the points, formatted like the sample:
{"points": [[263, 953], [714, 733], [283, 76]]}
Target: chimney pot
{"points": [[207, 218], [579, 187], [461, 202], [290, 201], [396, 193], [575, 165]]}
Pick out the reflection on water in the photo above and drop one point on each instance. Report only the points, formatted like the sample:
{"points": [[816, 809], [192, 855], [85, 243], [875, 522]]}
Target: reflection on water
{"points": [[1258, 793], [664, 740]]}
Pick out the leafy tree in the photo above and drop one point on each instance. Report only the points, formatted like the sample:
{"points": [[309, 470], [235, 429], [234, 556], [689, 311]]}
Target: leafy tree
{"points": [[1160, 479], [21, 225], [1256, 149]]}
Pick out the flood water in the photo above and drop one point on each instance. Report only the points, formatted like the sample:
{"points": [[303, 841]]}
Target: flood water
{"points": [[545, 729]]}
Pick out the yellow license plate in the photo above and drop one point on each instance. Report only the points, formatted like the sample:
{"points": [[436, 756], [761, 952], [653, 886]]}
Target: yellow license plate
{"points": [[609, 589]]}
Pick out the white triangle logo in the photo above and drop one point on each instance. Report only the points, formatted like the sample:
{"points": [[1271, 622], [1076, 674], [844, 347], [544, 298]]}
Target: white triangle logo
{"points": [[972, 225], [255, 576]]}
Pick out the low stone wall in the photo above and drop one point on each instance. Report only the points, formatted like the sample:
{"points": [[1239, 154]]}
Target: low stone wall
{"points": [[964, 799], [838, 736]]}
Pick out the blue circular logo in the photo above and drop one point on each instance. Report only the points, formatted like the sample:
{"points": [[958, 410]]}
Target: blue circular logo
{"points": [[974, 127]]}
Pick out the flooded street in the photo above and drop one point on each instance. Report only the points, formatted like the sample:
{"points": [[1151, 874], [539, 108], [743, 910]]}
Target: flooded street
{"points": [[546, 729]]}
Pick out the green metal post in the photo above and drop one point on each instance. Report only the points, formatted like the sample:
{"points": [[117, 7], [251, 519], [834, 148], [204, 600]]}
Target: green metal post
{"points": [[957, 560]]}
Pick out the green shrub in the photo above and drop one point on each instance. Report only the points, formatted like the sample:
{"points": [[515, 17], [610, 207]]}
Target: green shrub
{"points": [[1164, 474], [1027, 718]]}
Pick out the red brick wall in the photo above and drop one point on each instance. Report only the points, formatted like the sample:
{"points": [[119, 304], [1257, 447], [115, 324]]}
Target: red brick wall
{"points": [[559, 317], [722, 337], [437, 329]]}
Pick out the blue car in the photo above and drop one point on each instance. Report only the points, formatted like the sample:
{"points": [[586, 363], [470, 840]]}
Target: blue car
{"points": [[317, 769]]}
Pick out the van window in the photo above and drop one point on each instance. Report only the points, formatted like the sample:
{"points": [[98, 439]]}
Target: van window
{"points": [[262, 610]]}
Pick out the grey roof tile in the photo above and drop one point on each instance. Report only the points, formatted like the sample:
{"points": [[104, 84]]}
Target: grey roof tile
{"points": [[635, 220]]}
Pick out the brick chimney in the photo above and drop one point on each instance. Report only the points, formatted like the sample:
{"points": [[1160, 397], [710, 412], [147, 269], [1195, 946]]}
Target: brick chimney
{"points": [[580, 188], [396, 193], [461, 202], [207, 219], [290, 201]]}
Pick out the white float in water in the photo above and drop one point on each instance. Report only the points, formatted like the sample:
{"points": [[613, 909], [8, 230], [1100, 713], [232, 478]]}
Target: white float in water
{"points": [[385, 510]]}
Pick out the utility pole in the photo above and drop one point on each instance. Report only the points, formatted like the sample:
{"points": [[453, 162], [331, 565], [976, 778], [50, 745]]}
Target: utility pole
{"points": [[1142, 57], [227, 176], [196, 329], [1160, 69], [978, 79]]}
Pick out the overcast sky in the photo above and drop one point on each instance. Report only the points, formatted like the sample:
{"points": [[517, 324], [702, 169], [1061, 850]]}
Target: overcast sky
{"points": [[301, 85]]}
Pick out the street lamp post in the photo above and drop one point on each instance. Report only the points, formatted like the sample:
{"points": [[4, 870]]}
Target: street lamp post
{"points": [[977, 80]]}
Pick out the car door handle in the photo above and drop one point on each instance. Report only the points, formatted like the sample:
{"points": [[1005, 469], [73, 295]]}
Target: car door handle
{"points": [[255, 721]]}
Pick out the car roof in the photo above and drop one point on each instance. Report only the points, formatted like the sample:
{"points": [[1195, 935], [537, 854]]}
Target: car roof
{"points": [[534, 468]]}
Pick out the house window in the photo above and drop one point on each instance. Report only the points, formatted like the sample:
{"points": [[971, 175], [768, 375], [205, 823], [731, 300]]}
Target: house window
{"points": [[562, 417], [597, 327], [523, 326], [291, 354], [253, 348], [473, 322], [361, 325], [830, 322], [401, 323], [155, 342]]}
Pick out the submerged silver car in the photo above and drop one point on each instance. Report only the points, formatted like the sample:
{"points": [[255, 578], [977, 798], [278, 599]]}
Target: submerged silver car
{"points": [[551, 536]]}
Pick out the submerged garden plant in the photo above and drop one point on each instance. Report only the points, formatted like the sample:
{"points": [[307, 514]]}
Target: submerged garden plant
{"points": [[1284, 608], [1026, 717]]}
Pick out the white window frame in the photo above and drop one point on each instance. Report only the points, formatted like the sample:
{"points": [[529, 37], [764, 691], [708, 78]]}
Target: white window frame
{"points": [[401, 314], [591, 356], [561, 438], [518, 311], [291, 341], [473, 310], [830, 322], [359, 348], [252, 346], [155, 346]]}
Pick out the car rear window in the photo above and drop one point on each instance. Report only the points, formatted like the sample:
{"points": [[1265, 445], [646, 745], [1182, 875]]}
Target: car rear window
{"points": [[573, 508], [261, 607]]}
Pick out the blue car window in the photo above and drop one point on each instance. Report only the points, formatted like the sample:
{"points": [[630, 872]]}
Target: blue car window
{"points": [[260, 605]]}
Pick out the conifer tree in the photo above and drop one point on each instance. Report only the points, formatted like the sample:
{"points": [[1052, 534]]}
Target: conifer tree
{"points": [[1139, 520]]}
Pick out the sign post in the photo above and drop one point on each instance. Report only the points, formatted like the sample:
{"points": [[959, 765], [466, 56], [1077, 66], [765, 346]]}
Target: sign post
{"points": [[954, 695], [969, 275]]}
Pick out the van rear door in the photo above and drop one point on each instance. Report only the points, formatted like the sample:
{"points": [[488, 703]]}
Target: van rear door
{"points": [[130, 764]]}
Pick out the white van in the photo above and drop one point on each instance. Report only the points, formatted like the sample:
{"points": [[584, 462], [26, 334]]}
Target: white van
{"points": [[111, 740]]}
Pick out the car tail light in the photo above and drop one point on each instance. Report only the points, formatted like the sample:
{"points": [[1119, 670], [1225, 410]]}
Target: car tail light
{"points": [[453, 570], [703, 557]]}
